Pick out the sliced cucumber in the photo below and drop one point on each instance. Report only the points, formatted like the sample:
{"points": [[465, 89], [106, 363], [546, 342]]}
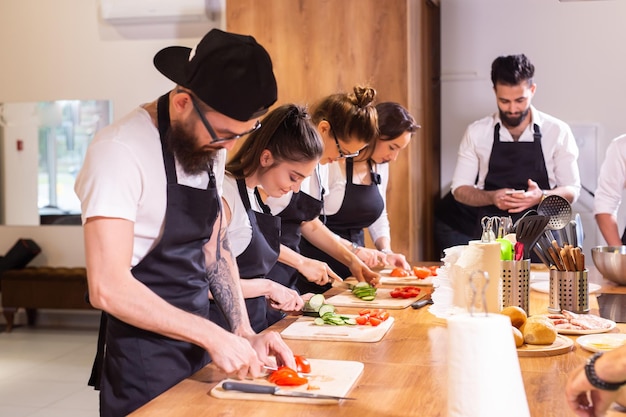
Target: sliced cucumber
{"points": [[349, 321], [315, 303], [368, 297], [325, 309], [319, 321]]}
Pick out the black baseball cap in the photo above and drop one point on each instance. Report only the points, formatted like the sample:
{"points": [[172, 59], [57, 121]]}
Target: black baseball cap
{"points": [[231, 73]]}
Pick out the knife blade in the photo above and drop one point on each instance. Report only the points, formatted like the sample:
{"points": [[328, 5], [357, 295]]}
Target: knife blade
{"points": [[270, 389]]}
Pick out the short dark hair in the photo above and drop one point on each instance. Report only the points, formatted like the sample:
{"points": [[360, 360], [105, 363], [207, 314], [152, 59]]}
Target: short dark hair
{"points": [[512, 70], [287, 132], [394, 120]]}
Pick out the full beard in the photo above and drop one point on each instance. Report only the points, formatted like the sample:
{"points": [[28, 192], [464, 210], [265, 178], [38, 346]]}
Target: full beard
{"points": [[184, 145], [513, 121]]}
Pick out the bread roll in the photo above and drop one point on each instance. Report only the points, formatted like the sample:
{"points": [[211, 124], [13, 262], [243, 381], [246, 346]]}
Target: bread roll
{"points": [[518, 336], [539, 332], [516, 314]]}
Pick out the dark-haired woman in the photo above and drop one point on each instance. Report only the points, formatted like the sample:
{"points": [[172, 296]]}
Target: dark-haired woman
{"points": [[273, 161], [357, 197]]}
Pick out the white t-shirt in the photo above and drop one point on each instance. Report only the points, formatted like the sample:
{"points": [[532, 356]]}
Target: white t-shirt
{"points": [[239, 228], [123, 176], [558, 144], [612, 179], [337, 183]]}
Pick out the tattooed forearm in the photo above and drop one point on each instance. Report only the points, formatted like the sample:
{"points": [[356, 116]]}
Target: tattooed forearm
{"points": [[225, 292]]}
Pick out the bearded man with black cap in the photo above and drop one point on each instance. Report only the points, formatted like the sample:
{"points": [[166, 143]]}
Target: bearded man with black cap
{"points": [[155, 239]]}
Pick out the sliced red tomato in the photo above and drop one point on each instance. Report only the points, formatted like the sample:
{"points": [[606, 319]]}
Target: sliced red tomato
{"points": [[286, 376], [375, 321], [302, 364], [396, 293], [383, 315], [362, 320], [422, 272], [364, 312], [399, 272]]}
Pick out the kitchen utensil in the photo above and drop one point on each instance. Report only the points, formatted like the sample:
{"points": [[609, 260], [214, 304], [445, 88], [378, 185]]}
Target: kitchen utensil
{"points": [[529, 229], [573, 236], [422, 303], [528, 213], [559, 210], [487, 224], [580, 234], [611, 262], [561, 345], [273, 390]]}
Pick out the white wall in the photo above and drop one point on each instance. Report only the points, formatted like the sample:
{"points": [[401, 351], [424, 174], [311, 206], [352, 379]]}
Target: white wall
{"points": [[578, 49], [62, 50]]}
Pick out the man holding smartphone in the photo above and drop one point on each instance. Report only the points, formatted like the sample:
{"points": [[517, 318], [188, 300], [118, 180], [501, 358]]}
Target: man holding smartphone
{"points": [[508, 161]]}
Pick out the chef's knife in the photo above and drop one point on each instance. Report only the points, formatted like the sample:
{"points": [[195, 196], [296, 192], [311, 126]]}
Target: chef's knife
{"points": [[270, 389]]}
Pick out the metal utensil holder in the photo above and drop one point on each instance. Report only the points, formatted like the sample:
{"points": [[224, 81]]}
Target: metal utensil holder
{"points": [[569, 290], [515, 277]]}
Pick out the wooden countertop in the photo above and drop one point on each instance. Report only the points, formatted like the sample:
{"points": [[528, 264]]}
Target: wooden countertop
{"points": [[405, 374]]}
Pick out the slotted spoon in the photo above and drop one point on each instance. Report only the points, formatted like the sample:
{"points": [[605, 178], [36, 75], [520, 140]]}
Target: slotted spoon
{"points": [[559, 210], [529, 230]]}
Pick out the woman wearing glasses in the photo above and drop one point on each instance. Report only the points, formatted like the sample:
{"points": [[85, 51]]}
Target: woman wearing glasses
{"points": [[273, 161], [347, 123], [357, 196]]}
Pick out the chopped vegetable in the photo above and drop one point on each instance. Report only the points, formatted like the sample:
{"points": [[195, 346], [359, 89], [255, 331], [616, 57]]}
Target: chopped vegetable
{"points": [[405, 292], [364, 291], [399, 272], [286, 376], [302, 364]]}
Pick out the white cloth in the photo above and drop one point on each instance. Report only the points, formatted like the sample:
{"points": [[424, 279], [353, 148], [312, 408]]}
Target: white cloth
{"points": [[334, 199], [123, 176], [560, 151], [612, 179], [484, 376], [239, 228]]}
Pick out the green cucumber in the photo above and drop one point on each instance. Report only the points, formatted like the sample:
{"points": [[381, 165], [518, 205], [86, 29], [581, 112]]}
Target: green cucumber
{"points": [[325, 309], [319, 321], [314, 303]]}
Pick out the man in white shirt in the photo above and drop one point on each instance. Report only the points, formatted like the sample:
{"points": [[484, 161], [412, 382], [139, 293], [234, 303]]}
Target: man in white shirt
{"points": [[608, 195], [509, 161], [155, 238]]}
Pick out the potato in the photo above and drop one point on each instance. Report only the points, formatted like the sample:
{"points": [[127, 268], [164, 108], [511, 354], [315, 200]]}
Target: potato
{"points": [[518, 336], [539, 332], [516, 314]]}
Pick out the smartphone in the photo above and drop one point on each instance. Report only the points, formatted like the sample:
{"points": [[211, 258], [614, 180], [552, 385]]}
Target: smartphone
{"points": [[514, 192]]}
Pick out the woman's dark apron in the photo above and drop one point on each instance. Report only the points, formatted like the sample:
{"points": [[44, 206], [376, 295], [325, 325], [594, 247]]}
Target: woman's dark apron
{"points": [[301, 208], [362, 205], [138, 365], [256, 260]]}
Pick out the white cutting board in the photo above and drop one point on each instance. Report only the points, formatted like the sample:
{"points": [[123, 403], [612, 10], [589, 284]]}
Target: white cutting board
{"points": [[304, 328], [328, 377], [383, 300], [387, 279]]}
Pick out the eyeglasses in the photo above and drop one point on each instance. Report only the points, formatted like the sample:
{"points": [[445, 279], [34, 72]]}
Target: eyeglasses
{"points": [[343, 154], [208, 126]]}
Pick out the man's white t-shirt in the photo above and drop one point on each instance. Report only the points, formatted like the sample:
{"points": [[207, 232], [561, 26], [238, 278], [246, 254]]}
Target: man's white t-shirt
{"points": [[123, 176]]}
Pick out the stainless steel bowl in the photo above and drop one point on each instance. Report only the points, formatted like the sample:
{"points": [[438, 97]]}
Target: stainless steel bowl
{"points": [[611, 262]]}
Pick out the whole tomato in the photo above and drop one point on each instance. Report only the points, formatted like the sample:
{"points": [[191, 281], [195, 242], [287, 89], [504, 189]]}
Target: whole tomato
{"points": [[399, 272]]}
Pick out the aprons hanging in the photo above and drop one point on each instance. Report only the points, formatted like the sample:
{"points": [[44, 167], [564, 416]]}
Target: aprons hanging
{"points": [[138, 364], [256, 260]]}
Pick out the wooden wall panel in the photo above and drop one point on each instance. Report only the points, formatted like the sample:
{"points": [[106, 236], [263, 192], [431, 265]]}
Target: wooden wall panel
{"points": [[319, 47]]}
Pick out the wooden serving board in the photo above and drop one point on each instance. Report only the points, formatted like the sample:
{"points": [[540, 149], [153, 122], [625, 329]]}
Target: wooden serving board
{"points": [[329, 377], [561, 345], [305, 329], [383, 300]]}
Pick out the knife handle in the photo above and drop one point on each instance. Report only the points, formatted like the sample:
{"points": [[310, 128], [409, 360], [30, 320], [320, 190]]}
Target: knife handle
{"points": [[251, 388]]}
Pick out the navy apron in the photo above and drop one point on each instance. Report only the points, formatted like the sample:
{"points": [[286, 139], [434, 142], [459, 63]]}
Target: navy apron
{"points": [[256, 260], [362, 205], [511, 164], [138, 364], [301, 208]]}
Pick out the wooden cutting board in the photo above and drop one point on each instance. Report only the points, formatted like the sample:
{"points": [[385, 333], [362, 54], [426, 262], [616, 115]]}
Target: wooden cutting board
{"points": [[330, 376], [561, 345], [304, 328], [383, 300]]}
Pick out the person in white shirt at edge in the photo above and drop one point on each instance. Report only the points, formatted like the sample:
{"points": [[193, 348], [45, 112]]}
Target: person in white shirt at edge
{"points": [[516, 149], [272, 161], [357, 197], [354, 125], [155, 238], [608, 194]]}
